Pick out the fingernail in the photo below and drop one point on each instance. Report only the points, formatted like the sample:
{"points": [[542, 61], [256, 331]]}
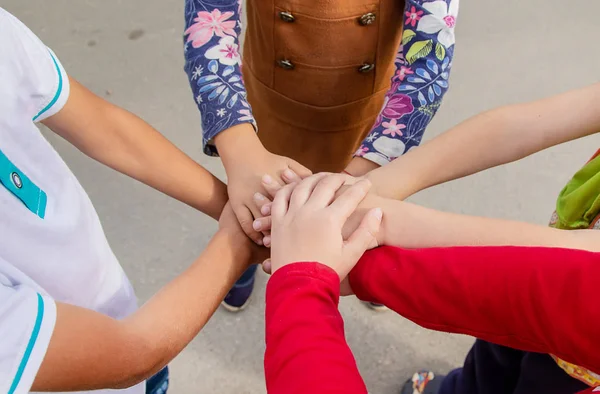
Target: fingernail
{"points": [[267, 179], [256, 225], [378, 213], [267, 240], [265, 210], [258, 196], [259, 242], [288, 174]]}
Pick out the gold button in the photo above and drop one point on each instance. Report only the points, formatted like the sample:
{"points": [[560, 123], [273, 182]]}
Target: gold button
{"points": [[286, 64], [365, 68], [367, 19], [287, 17]]}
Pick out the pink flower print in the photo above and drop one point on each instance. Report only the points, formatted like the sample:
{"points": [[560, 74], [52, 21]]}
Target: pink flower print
{"points": [[361, 151], [403, 72], [226, 52], [412, 16], [450, 21], [440, 20], [392, 128], [397, 105], [209, 24]]}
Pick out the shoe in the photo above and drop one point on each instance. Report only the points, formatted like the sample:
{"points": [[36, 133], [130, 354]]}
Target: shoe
{"points": [[423, 382], [239, 296], [159, 383], [376, 307]]}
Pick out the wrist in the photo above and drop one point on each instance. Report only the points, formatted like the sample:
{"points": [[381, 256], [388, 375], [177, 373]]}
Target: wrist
{"points": [[236, 142], [359, 166], [389, 184], [235, 236], [399, 179], [239, 246], [218, 201]]}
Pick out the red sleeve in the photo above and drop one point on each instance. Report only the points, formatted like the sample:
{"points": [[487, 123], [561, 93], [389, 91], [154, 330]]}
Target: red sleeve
{"points": [[535, 299], [306, 347]]}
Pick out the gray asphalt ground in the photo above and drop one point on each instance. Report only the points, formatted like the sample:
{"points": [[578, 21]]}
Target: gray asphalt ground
{"points": [[130, 52]]}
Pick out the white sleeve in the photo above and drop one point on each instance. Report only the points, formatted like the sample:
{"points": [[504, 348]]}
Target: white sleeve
{"points": [[26, 324], [38, 76]]}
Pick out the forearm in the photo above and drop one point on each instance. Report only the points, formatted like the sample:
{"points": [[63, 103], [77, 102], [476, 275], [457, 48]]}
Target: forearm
{"points": [[175, 315], [124, 142], [91, 351], [144, 154], [412, 226], [461, 151], [534, 299], [236, 143], [306, 348], [490, 139]]}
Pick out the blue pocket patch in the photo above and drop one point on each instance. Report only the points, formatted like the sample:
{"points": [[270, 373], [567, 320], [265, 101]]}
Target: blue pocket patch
{"points": [[20, 186]]}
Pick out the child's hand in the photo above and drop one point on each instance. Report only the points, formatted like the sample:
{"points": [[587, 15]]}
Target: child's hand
{"points": [[263, 204], [308, 222], [229, 223], [246, 161]]}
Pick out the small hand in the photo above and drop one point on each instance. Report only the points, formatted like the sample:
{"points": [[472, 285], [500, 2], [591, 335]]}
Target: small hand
{"points": [[244, 180], [228, 222], [263, 204], [308, 221], [246, 161], [371, 201]]}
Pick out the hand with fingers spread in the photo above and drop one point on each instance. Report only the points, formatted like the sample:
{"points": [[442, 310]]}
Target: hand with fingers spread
{"points": [[307, 222]]}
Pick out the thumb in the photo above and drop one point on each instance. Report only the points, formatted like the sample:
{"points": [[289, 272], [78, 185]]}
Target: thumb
{"points": [[364, 237], [299, 169]]}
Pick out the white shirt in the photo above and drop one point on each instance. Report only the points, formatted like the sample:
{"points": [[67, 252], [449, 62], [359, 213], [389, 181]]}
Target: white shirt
{"points": [[52, 246]]}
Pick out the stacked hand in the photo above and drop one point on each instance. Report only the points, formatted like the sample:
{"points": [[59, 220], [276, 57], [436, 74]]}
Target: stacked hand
{"points": [[246, 161], [307, 221], [229, 223], [263, 204]]}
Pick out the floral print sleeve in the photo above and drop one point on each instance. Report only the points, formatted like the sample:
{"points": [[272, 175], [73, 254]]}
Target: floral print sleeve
{"points": [[212, 63], [423, 66]]}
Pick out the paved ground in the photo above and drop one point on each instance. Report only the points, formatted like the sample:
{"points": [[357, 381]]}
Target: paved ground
{"points": [[130, 52]]}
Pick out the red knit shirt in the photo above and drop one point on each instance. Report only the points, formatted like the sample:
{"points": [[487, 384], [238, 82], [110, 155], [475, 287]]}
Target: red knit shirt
{"points": [[519, 297]]}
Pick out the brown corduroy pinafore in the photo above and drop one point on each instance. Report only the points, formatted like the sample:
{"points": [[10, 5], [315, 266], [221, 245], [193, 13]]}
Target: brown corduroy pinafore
{"points": [[317, 71]]}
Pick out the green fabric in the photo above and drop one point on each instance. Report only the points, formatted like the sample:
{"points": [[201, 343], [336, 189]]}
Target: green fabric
{"points": [[579, 202]]}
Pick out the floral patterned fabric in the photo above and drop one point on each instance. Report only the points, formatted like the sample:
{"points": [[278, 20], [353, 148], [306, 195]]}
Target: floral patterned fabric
{"points": [[423, 63]]}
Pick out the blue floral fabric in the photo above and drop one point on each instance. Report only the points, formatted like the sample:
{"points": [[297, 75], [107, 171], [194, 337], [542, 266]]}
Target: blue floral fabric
{"points": [[423, 63]]}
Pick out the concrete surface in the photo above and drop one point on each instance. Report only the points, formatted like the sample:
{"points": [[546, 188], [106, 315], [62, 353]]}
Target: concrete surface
{"points": [[130, 51]]}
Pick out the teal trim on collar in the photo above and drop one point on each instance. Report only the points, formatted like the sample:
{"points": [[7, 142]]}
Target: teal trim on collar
{"points": [[58, 91], [32, 340], [16, 182]]}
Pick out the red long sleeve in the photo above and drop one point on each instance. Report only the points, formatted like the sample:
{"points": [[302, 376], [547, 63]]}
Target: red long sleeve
{"points": [[530, 298], [306, 347]]}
